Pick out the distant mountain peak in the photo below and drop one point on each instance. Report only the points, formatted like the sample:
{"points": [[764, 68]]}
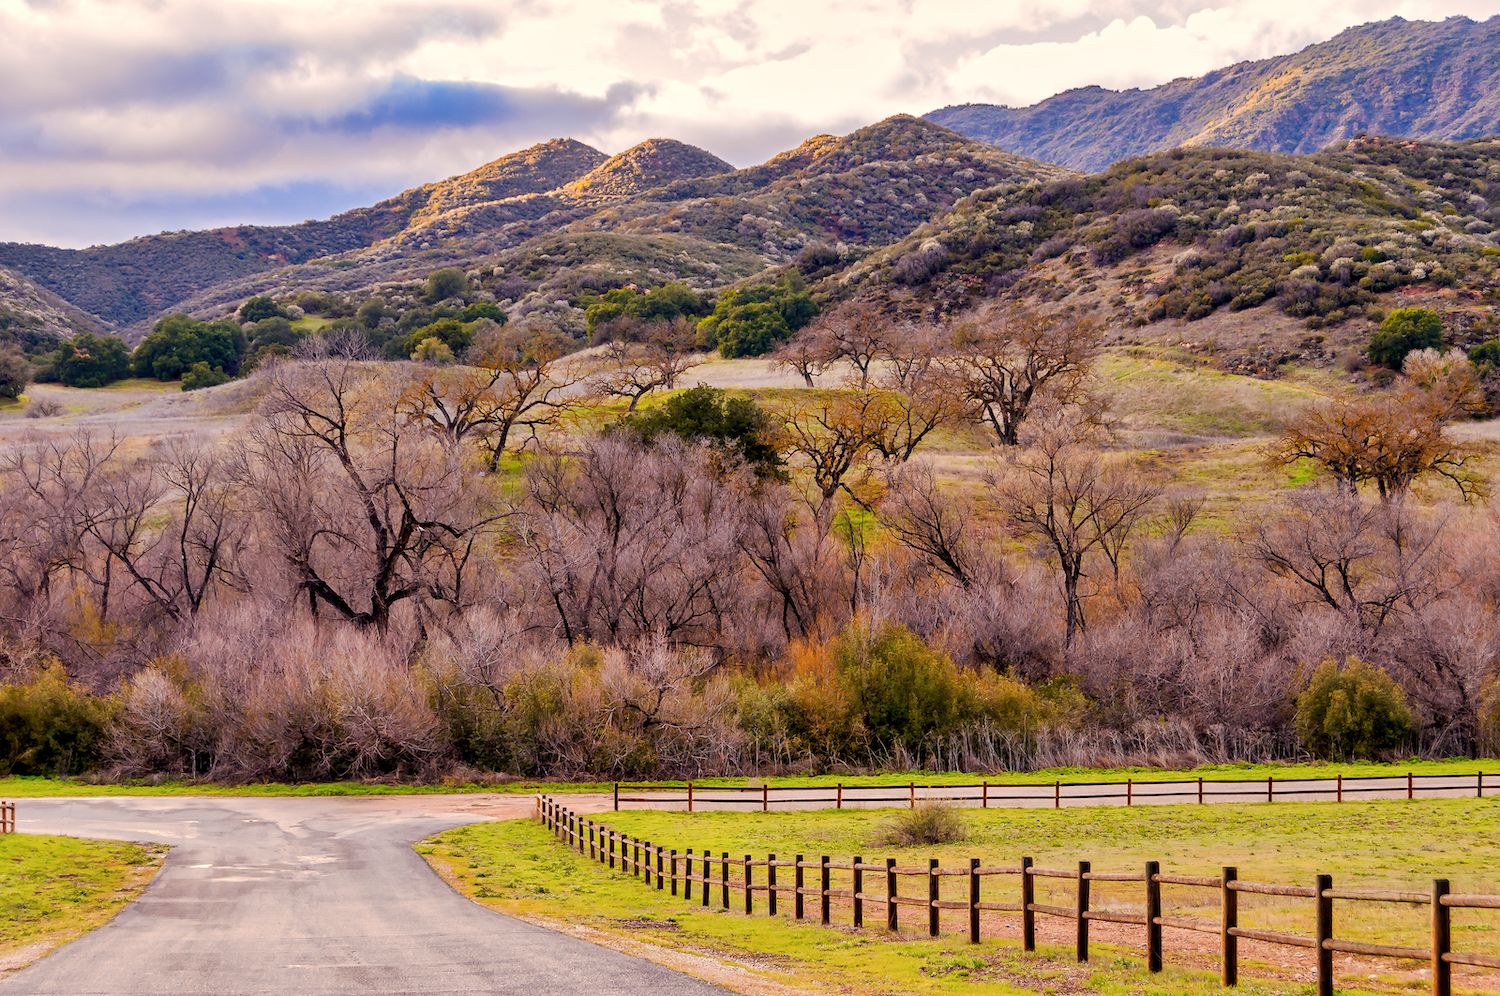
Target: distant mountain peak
{"points": [[652, 163], [1436, 80]]}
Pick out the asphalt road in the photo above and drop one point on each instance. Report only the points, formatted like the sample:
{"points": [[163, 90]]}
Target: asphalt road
{"points": [[312, 896]]}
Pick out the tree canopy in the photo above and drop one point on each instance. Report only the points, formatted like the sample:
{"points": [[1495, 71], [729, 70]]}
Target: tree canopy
{"points": [[735, 425], [179, 341], [90, 360], [754, 320], [1405, 330]]}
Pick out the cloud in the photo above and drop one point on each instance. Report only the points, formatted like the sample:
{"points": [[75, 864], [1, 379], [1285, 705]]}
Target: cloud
{"points": [[128, 116]]}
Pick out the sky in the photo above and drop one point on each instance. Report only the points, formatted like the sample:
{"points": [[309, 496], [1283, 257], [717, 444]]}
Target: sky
{"points": [[128, 117]]}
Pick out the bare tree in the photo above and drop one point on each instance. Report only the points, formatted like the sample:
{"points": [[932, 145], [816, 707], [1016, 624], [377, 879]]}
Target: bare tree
{"points": [[173, 524], [365, 514], [1009, 360], [1365, 561], [806, 354], [925, 519], [858, 333], [1079, 506], [1389, 440], [834, 434], [644, 356]]}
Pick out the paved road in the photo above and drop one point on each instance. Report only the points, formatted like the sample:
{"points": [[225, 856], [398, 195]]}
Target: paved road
{"points": [[312, 896]]}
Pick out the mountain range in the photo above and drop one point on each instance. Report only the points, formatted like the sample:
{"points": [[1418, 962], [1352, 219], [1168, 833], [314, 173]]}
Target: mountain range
{"points": [[932, 212], [1422, 79]]}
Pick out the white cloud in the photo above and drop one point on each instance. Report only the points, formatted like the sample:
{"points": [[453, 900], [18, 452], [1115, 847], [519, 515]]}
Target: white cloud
{"points": [[133, 102]]}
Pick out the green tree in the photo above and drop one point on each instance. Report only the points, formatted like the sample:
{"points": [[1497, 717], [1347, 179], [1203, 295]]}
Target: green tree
{"points": [[260, 308], [898, 688], [49, 725], [90, 360], [483, 309], [445, 283], [1354, 711], [432, 350], [371, 312], [664, 303], [1486, 355], [179, 341], [451, 332], [15, 372], [1403, 331], [753, 320], [735, 425], [201, 375]]}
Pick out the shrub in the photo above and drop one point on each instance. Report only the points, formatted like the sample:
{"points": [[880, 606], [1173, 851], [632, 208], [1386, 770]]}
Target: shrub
{"points": [[260, 308], [1352, 711], [1402, 331], [898, 688], [90, 360], [926, 823], [49, 725], [445, 283], [201, 375], [736, 425], [449, 332], [15, 372]]}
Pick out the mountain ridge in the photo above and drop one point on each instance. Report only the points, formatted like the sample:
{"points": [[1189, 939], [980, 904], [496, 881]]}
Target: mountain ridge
{"points": [[1435, 80]]}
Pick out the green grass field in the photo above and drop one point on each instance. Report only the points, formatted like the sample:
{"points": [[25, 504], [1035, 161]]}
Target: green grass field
{"points": [[54, 888], [519, 868]]}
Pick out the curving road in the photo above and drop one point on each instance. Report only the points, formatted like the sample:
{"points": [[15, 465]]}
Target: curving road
{"points": [[312, 896]]}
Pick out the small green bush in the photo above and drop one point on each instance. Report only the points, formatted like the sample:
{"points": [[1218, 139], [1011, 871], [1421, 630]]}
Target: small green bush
{"points": [[50, 726], [1354, 711], [201, 375], [445, 283], [1403, 331]]}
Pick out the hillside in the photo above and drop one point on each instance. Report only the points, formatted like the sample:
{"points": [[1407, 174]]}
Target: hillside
{"points": [[708, 227], [1181, 246], [1424, 79], [133, 281], [34, 318]]}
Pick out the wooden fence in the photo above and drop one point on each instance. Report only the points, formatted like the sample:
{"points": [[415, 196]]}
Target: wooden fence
{"points": [[7, 817], [721, 879], [1056, 794]]}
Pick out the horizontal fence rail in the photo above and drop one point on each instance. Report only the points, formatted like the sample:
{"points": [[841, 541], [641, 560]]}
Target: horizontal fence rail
{"points": [[1056, 794], [7, 817], [724, 882]]}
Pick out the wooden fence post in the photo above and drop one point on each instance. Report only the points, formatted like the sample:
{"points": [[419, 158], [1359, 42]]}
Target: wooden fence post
{"points": [[724, 880], [932, 897], [1057, 795], [703, 893], [1028, 915], [765, 798], [1229, 919], [658, 869], [1129, 791], [985, 804], [1324, 933], [858, 890], [1479, 785], [912, 788], [592, 855], [771, 883], [749, 892], [690, 797], [674, 871], [973, 900], [839, 804], [797, 908], [687, 880], [646, 868], [1082, 908], [1410, 786], [823, 883], [613, 840], [1153, 917], [891, 922], [1270, 789], [1339, 787], [1200, 790], [617, 797], [1442, 972]]}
